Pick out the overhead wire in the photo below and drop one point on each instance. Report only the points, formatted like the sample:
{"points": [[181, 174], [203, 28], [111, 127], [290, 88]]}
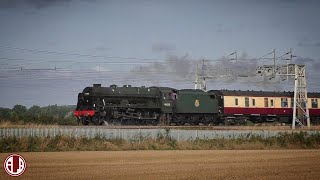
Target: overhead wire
{"points": [[115, 61]]}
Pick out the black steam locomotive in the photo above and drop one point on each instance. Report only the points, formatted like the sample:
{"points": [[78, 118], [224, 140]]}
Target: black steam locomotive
{"points": [[145, 105]]}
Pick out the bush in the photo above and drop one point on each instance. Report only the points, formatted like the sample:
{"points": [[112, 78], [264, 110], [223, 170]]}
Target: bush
{"points": [[64, 143], [53, 114]]}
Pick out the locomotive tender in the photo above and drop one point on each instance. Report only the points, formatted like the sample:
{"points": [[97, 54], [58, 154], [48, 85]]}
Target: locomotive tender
{"points": [[129, 105]]}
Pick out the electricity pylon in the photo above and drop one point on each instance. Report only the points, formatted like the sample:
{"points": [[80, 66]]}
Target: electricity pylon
{"points": [[201, 72], [200, 79], [298, 71], [300, 106]]}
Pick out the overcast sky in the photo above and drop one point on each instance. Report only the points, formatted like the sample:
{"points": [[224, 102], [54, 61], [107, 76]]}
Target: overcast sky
{"points": [[102, 41]]}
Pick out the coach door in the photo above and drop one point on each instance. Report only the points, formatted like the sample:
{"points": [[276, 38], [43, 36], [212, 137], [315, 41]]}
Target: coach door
{"points": [[220, 103], [271, 110]]}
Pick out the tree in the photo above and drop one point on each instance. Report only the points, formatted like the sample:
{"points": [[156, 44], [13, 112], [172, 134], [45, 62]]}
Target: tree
{"points": [[5, 113], [34, 110], [20, 109], [14, 116]]}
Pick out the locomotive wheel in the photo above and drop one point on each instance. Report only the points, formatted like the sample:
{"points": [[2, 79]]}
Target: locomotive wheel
{"points": [[96, 120], [84, 121], [154, 122], [106, 119], [139, 114], [101, 122]]}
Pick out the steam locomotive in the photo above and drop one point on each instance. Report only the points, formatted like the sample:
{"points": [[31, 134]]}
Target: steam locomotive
{"points": [[129, 105]]}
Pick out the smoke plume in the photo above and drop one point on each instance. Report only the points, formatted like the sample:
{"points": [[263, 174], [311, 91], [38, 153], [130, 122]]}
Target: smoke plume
{"points": [[173, 68], [223, 73]]}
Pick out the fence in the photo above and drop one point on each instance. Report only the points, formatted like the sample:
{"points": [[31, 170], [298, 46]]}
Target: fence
{"points": [[130, 134]]}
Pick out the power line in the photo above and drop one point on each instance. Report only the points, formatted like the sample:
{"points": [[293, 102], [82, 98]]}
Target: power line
{"points": [[77, 61], [93, 56], [72, 54]]}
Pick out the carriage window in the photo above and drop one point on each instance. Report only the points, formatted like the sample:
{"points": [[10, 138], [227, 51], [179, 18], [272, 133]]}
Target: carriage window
{"points": [[271, 102], [246, 101], [253, 102], [292, 102], [266, 102], [284, 102], [314, 103], [236, 102]]}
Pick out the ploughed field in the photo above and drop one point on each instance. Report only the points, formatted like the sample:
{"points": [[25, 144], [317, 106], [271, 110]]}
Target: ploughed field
{"points": [[189, 164]]}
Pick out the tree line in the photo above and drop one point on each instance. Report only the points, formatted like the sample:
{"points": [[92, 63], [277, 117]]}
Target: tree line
{"points": [[52, 114]]}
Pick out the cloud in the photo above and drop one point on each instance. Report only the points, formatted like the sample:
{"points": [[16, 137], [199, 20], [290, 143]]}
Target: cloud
{"points": [[38, 4], [99, 68], [289, 1], [34, 3], [312, 71], [163, 47], [102, 48], [312, 65], [309, 44], [220, 28]]}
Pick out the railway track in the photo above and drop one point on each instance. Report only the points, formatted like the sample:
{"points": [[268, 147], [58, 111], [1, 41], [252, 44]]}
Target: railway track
{"points": [[208, 127]]}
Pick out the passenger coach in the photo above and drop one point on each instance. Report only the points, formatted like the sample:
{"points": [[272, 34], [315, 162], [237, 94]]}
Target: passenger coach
{"points": [[259, 106]]}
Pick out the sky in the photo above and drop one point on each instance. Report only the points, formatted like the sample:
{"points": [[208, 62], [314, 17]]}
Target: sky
{"points": [[51, 49]]}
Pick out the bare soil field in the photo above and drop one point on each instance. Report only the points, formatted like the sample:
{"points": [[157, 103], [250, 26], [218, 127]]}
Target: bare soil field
{"points": [[214, 164]]}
